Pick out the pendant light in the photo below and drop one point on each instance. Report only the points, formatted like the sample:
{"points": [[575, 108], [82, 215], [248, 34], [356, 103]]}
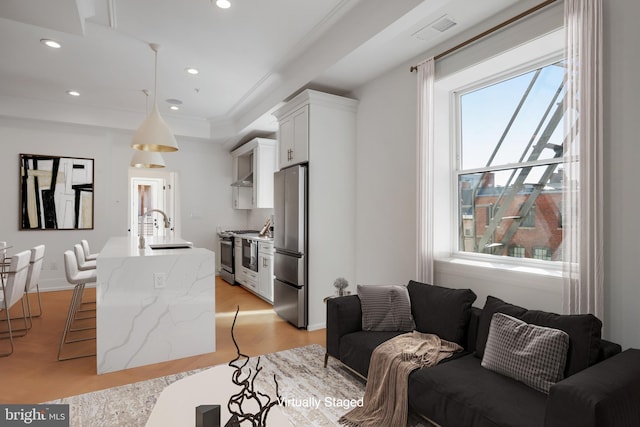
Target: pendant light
{"points": [[147, 159], [154, 133]]}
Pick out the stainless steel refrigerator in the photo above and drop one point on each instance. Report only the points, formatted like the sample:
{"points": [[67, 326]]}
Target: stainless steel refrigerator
{"points": [[290, 244]]}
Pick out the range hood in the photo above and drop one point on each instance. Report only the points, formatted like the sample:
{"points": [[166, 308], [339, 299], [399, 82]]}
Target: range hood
{"points": [[246, 181]]}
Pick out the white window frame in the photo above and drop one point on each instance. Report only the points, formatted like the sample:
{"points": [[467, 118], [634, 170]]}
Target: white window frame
{"points": [[515, 71], [548, 49]]}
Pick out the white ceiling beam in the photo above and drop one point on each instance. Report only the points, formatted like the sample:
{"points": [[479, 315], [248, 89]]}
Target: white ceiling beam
{"points": [[67, 16], [358, 25]]}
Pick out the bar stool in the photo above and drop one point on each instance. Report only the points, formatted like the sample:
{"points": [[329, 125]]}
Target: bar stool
{"points": [[87, 253], [78, 278], [13, 290], [33, 280], [83, 263]]}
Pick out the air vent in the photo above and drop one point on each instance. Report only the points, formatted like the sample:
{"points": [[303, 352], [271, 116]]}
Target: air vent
{"points": [[443, 24], [429, 31]]}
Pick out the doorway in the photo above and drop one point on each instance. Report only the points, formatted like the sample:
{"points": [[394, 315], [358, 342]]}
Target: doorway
{"points": [[151, 190]]}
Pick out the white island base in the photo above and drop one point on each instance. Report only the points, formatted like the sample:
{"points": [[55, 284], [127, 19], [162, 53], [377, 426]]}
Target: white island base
{"points": [[153, 305]]}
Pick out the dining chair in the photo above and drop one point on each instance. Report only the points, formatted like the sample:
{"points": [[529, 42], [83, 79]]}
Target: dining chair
{"points": [[3, 254], [87, 252], [83, 264], [14, 281], [78, 278]]}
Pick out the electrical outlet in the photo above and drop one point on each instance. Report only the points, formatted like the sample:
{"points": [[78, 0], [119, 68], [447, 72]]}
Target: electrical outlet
{"points": [[160, 280]]}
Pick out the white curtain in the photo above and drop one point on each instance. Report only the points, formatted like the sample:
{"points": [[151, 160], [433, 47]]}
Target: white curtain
{"points": [[583, 202], [426, 70]]}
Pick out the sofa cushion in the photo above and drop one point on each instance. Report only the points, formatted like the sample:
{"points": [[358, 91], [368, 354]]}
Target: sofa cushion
{"points": [[462, 393], [385, 308], [491, 306], [444, 312], [532, 354], [584, 336], [356, 348]]}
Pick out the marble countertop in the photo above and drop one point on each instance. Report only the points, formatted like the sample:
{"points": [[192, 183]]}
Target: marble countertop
{"points": [[253, 236], [127, 246]]}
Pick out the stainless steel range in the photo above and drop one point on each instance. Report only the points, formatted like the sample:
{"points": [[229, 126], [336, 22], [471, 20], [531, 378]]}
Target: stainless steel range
{"points": [[227, 257]]}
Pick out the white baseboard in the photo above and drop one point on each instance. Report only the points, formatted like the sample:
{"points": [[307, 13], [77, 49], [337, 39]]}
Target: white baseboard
{"points": [[53, 285], [316, 326]]}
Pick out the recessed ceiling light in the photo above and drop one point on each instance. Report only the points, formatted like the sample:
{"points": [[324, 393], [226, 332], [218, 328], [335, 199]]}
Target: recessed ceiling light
{"points": [[174, 108], [192, 70], [51, 43], [73, 93], [223, 4], [173, 101]]}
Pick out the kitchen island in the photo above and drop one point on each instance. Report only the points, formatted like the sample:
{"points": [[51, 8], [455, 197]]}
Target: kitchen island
{"points": [[153, 305]]}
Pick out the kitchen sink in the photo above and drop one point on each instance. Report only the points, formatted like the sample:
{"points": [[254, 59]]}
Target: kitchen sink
{"points": [[185, 245]]}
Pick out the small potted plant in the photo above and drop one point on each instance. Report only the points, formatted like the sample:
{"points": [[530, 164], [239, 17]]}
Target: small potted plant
{"points": [[341, 284]]}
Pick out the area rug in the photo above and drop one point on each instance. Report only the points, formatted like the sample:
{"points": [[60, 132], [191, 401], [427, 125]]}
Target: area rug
{"points": [[313, 395]]}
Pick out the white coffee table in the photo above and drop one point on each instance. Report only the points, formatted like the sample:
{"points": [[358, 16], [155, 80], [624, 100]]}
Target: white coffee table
{"points": [[176, 405]]}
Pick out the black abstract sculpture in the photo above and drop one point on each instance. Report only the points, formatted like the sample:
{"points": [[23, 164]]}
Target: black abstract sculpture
{"points": [[248, 396]]}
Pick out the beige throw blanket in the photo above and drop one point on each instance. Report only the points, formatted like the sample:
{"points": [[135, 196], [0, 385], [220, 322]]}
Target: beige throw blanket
{"points": [[385, 400]]}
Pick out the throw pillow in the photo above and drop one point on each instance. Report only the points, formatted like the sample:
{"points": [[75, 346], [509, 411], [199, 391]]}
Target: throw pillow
{"points": [[491, 306], [442, 311], [532, 354], [584, 336], [385, 308]]}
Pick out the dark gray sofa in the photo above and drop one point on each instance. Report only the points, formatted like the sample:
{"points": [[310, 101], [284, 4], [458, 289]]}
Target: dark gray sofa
{"points": [[601, 386]]}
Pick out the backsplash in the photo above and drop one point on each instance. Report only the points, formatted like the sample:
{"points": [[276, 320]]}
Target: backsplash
{"points": [[257, 218]]}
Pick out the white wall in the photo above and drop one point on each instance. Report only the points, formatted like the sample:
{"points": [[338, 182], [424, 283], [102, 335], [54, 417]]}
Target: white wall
{"points": [[622, 153], [386, 174], [256, 218], [204, 171], [386, 180]]}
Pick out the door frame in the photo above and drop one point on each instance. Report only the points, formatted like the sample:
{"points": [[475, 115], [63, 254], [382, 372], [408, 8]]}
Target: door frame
{"points": [[170, 197]]}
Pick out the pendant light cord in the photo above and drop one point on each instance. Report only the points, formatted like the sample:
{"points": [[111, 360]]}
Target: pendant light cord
{"points": [[146, 101], [155, 79], [154, 47]]}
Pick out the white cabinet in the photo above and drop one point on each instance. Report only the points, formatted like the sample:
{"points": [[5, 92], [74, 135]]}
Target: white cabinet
{"points": [[242, 197], [250, 279], [294, 137], [259, 282], [265, 270], [330, 151], [253, 166]]}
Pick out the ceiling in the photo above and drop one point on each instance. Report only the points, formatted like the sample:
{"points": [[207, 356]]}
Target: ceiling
{"points": [[250, 57]]}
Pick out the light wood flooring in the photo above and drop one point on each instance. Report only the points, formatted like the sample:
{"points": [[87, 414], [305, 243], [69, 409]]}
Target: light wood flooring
{"points": [[32, 374]]}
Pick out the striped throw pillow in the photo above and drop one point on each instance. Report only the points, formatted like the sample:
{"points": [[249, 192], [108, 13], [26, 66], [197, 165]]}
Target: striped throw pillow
{"points": [[385, 308]]}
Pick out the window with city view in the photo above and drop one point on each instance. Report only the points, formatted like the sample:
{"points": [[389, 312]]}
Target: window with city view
{"points": [[510, 162]]}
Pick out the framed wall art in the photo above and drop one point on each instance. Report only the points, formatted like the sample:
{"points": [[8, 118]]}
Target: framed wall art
{"points": [[56, 193]]}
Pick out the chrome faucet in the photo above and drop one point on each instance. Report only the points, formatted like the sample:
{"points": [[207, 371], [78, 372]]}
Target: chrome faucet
{"points": [[167, 224]]}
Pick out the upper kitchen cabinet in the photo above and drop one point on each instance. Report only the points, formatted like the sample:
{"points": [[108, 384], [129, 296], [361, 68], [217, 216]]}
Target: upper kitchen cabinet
{"points": [[253, 166], [294, 137], [307, 121]]}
